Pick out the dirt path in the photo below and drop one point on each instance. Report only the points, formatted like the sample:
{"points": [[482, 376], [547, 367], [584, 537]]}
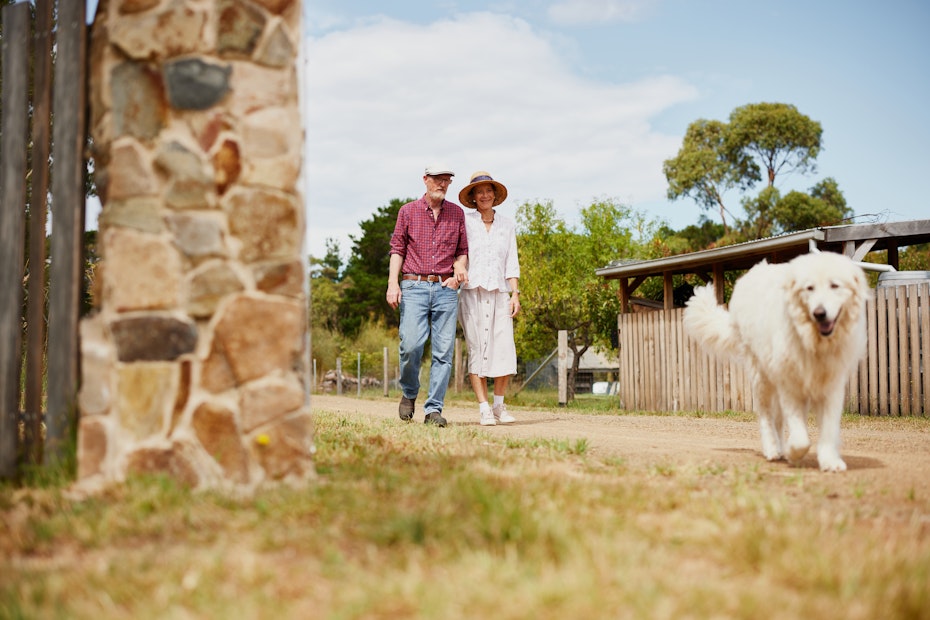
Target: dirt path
{"points": [[887, 458]]}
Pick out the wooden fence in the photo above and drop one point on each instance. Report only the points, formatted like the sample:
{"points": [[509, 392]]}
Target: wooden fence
{"points": [[36, 424], [662, 369]]}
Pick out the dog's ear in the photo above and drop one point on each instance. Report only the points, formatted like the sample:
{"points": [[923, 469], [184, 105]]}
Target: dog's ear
{"points": [[862, 292]]}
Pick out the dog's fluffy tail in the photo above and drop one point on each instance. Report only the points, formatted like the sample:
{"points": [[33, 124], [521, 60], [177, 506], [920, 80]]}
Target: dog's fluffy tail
{"points": [[709, 323]]}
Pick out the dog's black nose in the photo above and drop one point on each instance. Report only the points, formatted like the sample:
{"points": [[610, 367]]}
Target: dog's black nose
{"points": [[819, 313]]}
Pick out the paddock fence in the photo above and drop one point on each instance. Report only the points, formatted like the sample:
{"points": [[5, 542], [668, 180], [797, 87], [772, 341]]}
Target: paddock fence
{"points": [[43, 101], [662, 369]]}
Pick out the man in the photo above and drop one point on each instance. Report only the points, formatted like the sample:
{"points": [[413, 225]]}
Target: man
{"points": [[429, 255]]}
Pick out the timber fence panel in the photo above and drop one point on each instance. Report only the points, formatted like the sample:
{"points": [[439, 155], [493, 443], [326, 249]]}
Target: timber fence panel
{"points": [[923, 302], [904, 352], [38, 218], [662, 367], [912, 317], [69, 135], [15, 59], [872, 355], [894, 349], [881, 305]]}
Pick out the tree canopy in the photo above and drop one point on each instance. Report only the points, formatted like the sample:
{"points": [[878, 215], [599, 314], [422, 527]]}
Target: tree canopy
{"points": [[367, 270], [717, 157], [559, 289]]}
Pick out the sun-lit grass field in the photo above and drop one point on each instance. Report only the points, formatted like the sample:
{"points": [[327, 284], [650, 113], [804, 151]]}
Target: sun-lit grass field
{"points": [[410, 521]]}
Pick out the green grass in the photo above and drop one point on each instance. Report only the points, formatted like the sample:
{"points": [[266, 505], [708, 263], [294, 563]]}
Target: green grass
{"points": [[410, 521]]}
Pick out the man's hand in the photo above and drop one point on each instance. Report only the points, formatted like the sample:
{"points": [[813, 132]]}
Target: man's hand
{"points": [[393, 294]]}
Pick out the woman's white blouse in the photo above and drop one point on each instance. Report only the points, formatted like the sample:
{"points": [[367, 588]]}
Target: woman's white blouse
{"points": [[492, 254]]}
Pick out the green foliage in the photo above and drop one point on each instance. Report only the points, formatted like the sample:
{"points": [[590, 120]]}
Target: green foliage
{"points": [[691, 238], [704, 169], [777, 134], [915, 258], [330, 266], [367, 271], [823, 206], [328, 345], [559, 287]]}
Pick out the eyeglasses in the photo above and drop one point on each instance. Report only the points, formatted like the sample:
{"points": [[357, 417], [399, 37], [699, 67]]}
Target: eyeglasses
{"points": [[441, 180]]}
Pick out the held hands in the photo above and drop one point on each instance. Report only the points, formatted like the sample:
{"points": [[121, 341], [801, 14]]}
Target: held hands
{"points": [[459, 278]]}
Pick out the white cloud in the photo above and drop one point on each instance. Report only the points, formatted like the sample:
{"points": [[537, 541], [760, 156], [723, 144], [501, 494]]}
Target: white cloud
{"points": [[480, 91], [597, 11]]}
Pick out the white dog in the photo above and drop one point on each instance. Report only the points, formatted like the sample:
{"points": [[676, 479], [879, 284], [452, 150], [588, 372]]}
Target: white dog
{"points": [[800, 328]]}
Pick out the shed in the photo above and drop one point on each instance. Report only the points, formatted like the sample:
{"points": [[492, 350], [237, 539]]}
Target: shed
{"points": [[660, 368]]}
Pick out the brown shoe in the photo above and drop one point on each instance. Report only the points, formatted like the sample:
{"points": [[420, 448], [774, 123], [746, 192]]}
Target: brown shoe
{"points": [[406, 408], [435, 418]]}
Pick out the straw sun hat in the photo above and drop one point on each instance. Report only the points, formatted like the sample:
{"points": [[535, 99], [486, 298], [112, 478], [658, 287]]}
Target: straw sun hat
{"points": [[467, 200]]}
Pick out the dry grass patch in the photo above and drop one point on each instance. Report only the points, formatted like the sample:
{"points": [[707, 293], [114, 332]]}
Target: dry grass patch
{"points": [[414, 521]]}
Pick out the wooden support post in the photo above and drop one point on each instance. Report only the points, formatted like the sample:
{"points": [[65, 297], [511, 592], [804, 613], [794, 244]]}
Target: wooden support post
{"points": [[384, 355], [563, 367]]}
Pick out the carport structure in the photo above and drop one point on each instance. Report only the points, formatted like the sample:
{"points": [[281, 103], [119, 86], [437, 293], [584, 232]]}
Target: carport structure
{"points": [[662, 369]]}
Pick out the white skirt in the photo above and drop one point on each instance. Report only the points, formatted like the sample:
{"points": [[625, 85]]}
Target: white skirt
{"points": [[488, 327]]}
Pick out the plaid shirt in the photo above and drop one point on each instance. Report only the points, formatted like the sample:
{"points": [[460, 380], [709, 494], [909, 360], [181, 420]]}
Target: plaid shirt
{"points": [[429, 246]]}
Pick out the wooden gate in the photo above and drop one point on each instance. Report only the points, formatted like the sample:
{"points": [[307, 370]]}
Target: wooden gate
{"points": [[30, 432]]}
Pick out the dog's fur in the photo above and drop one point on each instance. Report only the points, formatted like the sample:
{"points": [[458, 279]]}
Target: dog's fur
{"points": [[800, 329]]}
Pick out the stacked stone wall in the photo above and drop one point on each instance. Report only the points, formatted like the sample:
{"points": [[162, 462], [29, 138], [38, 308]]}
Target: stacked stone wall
{"points": [[194, 360]]}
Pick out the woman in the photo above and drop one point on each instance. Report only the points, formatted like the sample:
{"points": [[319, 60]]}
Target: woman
{"points": [[491, 298]]}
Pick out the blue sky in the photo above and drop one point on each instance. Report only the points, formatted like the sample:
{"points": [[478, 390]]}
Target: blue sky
{"points": [[578, 100]]}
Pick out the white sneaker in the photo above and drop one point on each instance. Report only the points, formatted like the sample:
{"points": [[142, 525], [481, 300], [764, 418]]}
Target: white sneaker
{"points": [[487, 418], [501, 414]]}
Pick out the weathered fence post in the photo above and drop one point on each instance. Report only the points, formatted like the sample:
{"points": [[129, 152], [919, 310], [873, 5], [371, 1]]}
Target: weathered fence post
{"points": [[38, 208], [69, 133], [15, 61], [563, 367], [384, 355]]}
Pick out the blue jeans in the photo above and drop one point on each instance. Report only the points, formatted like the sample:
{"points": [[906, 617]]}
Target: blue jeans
{"points": [[427, 310]]}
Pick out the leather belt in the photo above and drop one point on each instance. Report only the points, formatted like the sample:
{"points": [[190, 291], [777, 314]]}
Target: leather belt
{"points": [[426, 278]]}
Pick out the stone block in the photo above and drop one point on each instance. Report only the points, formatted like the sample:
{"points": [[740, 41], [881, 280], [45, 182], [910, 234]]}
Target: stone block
{"points": [[174, 462], [285, 448], [143, 272], [286, 279], [262, 401], [139, 107], [92, 448], [216, 429], [153, 337], [97, 363], [129, 172], [239, 28], [198, 235], [276, 49], [209, 285], [145, 398], [194, 84], [157, 35], [143, 213], [259, 335], [266, 222]]}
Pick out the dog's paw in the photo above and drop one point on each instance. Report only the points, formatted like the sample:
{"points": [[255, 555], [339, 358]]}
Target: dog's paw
{"points": [[772, 454], [832, 463], [797, 452]]}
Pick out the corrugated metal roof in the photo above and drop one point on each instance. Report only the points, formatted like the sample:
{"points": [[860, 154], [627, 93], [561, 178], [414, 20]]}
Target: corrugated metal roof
{"points": [[776, 249]]}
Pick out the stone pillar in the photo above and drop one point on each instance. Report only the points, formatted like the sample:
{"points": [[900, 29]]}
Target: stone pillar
{"points": [[194, 361]]}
